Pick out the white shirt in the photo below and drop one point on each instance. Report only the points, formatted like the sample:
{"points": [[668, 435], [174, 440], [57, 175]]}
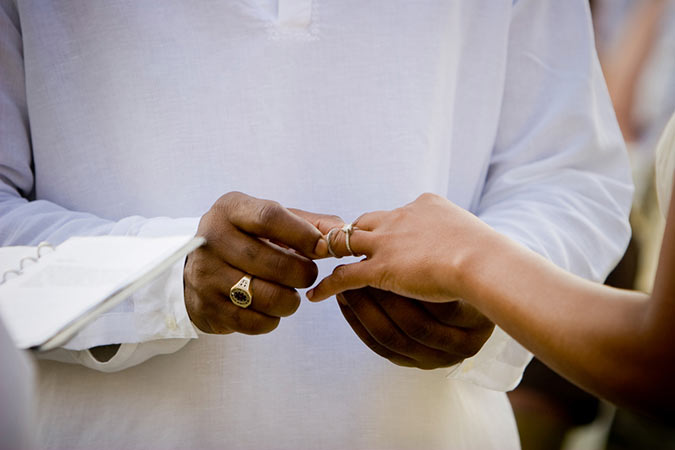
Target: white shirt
{"points": [[16, 395], [133, 118]]}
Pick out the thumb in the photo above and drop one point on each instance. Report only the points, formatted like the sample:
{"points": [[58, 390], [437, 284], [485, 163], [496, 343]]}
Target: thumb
{"points": [[324, 223]]}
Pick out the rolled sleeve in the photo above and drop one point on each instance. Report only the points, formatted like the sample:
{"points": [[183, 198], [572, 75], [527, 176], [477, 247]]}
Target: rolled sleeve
{"points": [[559, 180]]}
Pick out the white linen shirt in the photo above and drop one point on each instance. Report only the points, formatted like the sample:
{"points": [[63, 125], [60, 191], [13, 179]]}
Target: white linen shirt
{"points": [[134, 117]]}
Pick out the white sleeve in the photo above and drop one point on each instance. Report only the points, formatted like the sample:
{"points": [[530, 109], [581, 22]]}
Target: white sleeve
{"points": [[559, 180], [158, 311]]}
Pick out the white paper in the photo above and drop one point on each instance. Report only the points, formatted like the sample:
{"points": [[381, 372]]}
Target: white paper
{"points": [[74, 281]]}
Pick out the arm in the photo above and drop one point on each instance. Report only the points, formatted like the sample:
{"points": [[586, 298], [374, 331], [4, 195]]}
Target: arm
{"points": [[559, 180], [26, 222], [158, 318], [612, 342]]}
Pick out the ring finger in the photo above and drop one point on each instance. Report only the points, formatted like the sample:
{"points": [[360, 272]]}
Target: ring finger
{"points": [[360, 242], [269, 298]]}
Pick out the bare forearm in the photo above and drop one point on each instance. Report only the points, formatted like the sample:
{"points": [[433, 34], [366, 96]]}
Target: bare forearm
{"points": [[596, 336], [613, 342]]}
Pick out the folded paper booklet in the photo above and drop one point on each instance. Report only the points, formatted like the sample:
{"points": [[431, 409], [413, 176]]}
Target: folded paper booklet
{"points": [[50, 293]]}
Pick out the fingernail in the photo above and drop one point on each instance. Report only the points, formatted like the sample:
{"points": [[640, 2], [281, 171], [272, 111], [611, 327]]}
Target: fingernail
{"points": [[310, 294]]}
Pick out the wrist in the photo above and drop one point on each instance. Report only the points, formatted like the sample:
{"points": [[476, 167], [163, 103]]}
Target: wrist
{"points": [[471, 269]]}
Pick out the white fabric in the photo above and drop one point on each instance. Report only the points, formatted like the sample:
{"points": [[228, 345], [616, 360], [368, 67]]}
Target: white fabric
{"points": [[17, 388], [133, 118]]}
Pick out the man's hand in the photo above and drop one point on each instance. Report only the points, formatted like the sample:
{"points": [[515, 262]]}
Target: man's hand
{"points": [[246, 235], [412, 333]]}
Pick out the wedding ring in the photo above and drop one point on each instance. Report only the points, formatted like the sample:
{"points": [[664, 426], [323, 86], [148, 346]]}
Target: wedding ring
{"points": [[348, 229], [240, 293], [328, 238]]}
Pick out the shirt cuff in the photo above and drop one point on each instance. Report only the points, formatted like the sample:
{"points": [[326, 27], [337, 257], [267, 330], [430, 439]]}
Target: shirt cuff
{"points": [[155, 312], [128, 355], [498, 366]]}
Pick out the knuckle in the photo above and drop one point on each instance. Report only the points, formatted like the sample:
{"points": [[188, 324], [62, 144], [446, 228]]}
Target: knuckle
{"points": [[328, 221], [215, 229], [279, 265], [419, 331], [387, 338], [360, 218], [226, 201], [232, 196], [339, 274], [208, 228], [426, 197], [331, 221], [269, 213], [251, 251], [398, 214], [198, 272], [382, 276]]}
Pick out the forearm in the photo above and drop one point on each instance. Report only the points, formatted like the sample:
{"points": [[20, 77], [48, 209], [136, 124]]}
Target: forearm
{"points": [[594, 335]]}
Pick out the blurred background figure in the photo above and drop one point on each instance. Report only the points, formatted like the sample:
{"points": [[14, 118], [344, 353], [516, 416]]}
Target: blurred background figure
{"points": [[636, 47], [636, 44]]}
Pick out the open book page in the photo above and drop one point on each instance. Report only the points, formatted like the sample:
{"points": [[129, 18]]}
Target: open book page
{"points": [[81, 278]]}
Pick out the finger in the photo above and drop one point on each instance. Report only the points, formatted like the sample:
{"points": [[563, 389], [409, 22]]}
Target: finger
{"points": [[372, 220], [209, 294], [270, 220], [344, 278], [371, 343], [324, 222], [268, 298], [361, 243], [225, 317], [458, 314], [416, 322], [269, 262], [380, 326], [211, 309]]}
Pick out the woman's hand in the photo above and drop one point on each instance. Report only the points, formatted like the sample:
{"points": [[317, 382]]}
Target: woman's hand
{"points": [[417, 251]]}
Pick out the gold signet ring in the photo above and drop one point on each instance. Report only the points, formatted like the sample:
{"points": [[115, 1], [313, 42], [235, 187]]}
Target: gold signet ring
{"points": [[240, 293]]}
